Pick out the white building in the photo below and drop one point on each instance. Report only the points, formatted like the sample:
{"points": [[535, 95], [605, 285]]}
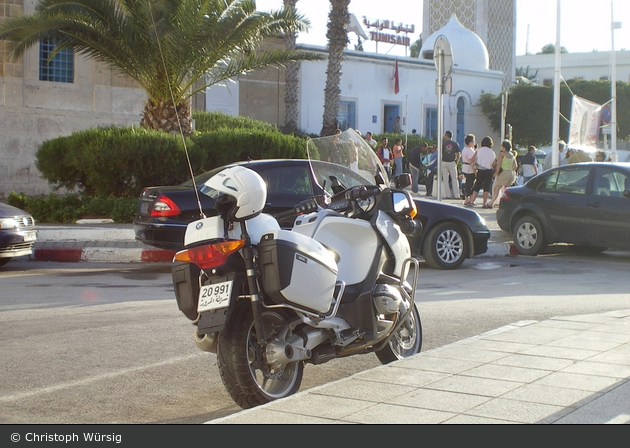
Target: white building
{"points": [[595, 65], [368, 101]]}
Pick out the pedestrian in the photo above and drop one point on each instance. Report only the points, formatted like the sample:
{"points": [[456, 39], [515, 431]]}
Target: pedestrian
{"points": [[600, 156], [504, 172], [561, 159], [397, 152], [384, 154], [430, 162], [529, 164], [370, 141], [396, 126], [468, 157], [418, 170], [484, 163], [451, 153]]}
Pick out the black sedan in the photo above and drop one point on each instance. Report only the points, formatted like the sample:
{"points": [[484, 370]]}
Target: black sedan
{"points": [[450, 234], [17, 233], [585, 204]]}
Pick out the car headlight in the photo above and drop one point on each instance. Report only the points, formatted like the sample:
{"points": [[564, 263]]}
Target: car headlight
{"points": [[8, 223]]}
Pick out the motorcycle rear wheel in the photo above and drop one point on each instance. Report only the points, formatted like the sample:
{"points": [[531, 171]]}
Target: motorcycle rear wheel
{"points": [[249, 381], [406, 342]]}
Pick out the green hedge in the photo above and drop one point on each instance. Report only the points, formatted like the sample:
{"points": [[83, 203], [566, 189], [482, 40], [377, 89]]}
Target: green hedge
{"points": [[213, 121], [70, 208], [116, 161], [230, 145]]}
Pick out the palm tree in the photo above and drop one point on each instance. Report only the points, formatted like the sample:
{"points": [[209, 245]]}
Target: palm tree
{"points": [[337, 41], [291, 101], [166, 46]]}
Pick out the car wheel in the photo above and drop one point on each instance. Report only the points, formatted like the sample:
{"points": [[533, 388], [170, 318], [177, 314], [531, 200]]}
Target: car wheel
{"points": [[529, 237], [445, 246]]}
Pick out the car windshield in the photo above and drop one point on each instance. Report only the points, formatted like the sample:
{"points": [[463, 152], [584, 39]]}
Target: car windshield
{"points": [[349, 150]]}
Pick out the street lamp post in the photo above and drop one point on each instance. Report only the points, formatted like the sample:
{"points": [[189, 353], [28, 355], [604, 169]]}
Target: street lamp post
{"points": [[613, 87]]}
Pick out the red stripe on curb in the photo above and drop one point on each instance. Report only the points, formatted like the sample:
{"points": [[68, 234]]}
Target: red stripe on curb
{"points": [[513, 250], [157, 255], [58, 254]]}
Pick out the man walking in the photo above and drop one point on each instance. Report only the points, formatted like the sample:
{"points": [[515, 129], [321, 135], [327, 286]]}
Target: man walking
{"points": [[451, 153], [385, 155], [529, 164]]}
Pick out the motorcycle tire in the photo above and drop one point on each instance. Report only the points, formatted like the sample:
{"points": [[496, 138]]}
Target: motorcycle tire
{"points": [[249, 381], [406, 342]]}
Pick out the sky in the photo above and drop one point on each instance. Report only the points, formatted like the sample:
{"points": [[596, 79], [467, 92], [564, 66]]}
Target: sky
{"points": [[585, 25]]}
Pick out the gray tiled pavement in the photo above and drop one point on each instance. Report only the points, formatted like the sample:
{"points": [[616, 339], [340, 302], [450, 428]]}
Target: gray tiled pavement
{"points": [[565, 370]]}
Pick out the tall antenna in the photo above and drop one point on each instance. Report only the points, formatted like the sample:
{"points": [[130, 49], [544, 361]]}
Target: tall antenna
{"points": [[527, 41]]}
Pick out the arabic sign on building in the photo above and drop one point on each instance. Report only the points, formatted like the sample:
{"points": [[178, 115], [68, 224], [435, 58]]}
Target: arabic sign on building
{"points": [[380, 31]]}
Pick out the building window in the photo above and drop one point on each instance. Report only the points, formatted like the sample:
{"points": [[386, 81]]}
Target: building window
{"points": [[431, 123], [347, 115], [60, 68]]}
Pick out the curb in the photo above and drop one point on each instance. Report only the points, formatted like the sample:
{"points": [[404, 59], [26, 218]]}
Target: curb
{"points": [[103, 254], [144, 255]]}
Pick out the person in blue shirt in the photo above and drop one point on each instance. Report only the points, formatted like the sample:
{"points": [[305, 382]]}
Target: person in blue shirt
{"points": [[430, 161]]}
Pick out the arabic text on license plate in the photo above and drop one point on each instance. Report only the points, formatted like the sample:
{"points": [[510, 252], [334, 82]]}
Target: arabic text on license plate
{"points": [[212, 297], [30, 236]]}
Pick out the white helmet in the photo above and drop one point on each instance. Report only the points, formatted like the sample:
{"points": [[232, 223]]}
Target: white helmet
{"points": [[239, 192]]}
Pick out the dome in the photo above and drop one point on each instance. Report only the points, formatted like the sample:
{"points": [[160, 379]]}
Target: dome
{"points": [[469, 51]]}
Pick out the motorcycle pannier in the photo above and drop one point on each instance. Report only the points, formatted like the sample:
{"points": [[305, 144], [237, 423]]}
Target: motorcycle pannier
{"points": [[297, 270]]}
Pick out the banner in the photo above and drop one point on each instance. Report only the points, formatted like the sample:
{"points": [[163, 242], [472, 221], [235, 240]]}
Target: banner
{"points": [[584, 127]]}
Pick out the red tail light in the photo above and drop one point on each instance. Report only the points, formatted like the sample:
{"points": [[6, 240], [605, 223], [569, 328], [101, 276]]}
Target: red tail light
{"points": [[210, 256], [505, 196], [164, 207]]}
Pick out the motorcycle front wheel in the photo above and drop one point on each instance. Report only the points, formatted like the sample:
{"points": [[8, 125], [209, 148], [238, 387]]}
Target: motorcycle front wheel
{"points": [[244, 372], [406, 342]]}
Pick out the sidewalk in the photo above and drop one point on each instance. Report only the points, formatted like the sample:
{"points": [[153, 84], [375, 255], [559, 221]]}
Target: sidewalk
{"points": [[98, 241], [566, 370]]}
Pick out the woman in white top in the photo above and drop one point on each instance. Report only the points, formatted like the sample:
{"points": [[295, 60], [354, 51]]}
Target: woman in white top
{"points": [[484, 164], [468, 158]]}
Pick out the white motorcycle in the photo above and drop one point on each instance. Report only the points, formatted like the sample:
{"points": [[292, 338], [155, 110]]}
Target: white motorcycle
{"points": [[268, 300]]}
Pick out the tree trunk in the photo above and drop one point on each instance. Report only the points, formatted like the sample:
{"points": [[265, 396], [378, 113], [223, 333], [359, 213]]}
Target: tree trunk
{"points": [[162, 117], [291, 101], [337, 41]]}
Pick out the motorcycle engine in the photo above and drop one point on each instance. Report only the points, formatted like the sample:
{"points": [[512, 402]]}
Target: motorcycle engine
{"points": [[386, 298]]}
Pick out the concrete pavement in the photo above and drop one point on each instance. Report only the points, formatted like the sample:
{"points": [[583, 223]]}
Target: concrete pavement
{"points": [[565, 370]]}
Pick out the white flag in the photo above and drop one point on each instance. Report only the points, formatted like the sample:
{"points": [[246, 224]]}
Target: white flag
{"points": [[584, 128]]}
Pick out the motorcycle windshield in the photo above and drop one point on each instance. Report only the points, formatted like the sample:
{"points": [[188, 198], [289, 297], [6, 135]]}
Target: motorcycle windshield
{"points": [[351, 151]]}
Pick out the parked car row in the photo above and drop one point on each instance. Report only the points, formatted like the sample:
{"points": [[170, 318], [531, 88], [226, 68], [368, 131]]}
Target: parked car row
{"points": [[585, 204], [450, 234]]}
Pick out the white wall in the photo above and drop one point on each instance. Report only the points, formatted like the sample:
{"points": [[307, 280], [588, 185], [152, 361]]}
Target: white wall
{"points": [[368, 80]]}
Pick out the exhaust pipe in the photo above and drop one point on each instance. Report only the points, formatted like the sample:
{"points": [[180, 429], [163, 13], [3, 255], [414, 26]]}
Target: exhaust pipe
{"points": [[207, 342]]}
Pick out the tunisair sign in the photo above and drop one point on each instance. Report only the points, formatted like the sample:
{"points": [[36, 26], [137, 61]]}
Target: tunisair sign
{"points": [[389, 25]]}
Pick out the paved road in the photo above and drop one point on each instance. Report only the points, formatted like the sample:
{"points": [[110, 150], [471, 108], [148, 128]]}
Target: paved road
{"points": [[105, 343]]}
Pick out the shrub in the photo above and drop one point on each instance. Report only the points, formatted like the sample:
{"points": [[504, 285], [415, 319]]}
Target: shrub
{"points": [[213, 121], [70, 208], [230, 145], [116, 161]]}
